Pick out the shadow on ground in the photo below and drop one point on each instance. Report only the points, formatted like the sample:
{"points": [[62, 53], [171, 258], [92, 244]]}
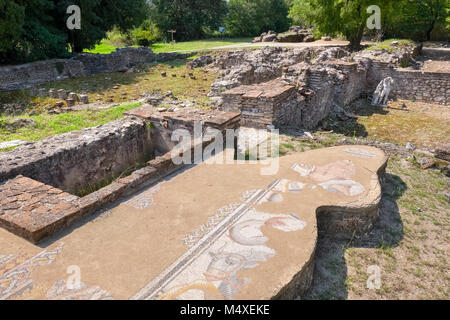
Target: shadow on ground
{"points": [[352, 128], [330, 273]]}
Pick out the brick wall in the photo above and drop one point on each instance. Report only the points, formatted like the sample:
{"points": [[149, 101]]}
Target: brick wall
{"points": [[429, 87]]}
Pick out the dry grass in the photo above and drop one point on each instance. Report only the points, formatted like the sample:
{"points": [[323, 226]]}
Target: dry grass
{"points": [[119, 87], [424, 125]]}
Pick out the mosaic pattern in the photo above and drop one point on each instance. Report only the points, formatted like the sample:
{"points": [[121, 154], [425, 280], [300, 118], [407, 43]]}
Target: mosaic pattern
{"points": [[60, 291], [248, 194], [17, 280], [209, 269], [242, 248], [232, 242], [358, 152], [290, 186], [335, 177], [144, 199], [193, 237]]}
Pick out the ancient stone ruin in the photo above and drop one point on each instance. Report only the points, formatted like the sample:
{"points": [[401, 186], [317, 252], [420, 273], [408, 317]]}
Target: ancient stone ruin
{"points": [[381, 95], [219, 226], [282, 87], [84, 64], [294, 34]]}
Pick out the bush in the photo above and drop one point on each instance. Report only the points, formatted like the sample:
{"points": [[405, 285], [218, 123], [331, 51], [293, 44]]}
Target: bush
{"points": [[146, 34], [119, 39]]}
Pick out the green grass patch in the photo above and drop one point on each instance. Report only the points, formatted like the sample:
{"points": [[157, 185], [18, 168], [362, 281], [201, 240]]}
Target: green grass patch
{"points": [[387, 45], [52, 124], [101, 88], [106, 46]]}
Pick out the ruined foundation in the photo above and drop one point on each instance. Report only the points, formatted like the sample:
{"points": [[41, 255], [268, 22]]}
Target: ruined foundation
{"points": [[38, 179]]}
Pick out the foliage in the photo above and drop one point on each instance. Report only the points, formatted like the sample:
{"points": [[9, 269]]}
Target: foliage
{"points": [[36, 29], [190, 18], [100, 16], [348, 17], [253, 17], [12, 18], [302, 13], [418, 20], [147, 34]]}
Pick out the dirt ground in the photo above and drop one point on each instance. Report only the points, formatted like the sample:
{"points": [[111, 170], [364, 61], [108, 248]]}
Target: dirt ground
{"points": [[424, 125], [436, 66]]}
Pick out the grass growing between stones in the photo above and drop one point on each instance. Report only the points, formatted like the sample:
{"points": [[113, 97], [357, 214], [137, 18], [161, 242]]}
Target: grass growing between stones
{"points": [[120, 87], [47, 125], [388, 46]]}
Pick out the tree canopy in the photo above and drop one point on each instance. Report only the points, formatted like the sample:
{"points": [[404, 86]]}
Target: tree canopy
{"points": [[400, 18], [190, 18], [253, 17], [36, 29]]}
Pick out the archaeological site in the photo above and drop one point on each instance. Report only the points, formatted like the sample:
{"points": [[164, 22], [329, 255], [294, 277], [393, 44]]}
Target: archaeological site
{"points": [[289, 167]]}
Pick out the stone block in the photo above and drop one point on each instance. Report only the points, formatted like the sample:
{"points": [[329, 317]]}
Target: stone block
{"points": [[37, 210], [62, 94]]}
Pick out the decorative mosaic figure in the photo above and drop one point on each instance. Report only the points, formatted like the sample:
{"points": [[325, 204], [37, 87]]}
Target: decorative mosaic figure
{"points": [[361, 153], [16, 281], [60, 291]]}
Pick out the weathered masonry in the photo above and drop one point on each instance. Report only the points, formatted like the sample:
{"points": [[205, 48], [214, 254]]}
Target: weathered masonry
{"points": [[84, 64], [304, 94], [39, 182]]}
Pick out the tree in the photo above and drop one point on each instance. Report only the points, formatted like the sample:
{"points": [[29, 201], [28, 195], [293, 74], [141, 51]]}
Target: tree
{"points": [[146, 34], [418, 19], [98, 17], [348, 17], [190, 18], [42, 38], [36, 29], [12, 18], [404, 18], [252, 17], [302, 13], [29, 31]]}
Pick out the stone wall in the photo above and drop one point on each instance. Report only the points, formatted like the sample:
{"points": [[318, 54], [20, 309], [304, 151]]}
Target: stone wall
{"points": [[77, 160], [260, 104], [30, 74], [353, 83], [36, 73], [33, 178], [429, 87], [280, 103]]}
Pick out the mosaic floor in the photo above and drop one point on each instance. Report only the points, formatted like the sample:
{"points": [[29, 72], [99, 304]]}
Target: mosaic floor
{"points": [[215, 231]]}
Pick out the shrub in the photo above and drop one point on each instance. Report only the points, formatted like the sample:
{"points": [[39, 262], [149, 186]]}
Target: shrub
{"points": [[146, 34]]}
